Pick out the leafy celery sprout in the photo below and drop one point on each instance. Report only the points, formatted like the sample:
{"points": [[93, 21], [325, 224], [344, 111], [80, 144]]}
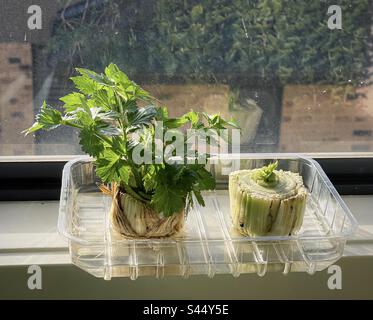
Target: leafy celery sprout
{"points": [[106, 110]]}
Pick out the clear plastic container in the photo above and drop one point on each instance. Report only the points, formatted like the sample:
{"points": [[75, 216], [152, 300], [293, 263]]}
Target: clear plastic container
{"points": [[208, 244]]}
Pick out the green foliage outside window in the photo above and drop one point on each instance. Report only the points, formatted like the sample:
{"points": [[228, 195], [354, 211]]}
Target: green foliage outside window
{"points": [[226, 41]]}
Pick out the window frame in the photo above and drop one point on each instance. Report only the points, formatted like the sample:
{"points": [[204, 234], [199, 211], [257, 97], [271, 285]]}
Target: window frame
{"points": [[38, 178]]}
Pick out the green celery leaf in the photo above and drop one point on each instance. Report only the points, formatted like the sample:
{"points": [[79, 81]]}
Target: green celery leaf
{"points": [[206, 181], [149, 178], [72, 101], [118, 145], [100, 79], [193, 117], [110, 167], [116, 75], [124, 172], [108, 130], [85, 85], [104, 98], [141, 117], [35, 127], [173, 123], [215, 121], [162, 114], [48, 118], [167, 199], [199, 197], [90, 143]]}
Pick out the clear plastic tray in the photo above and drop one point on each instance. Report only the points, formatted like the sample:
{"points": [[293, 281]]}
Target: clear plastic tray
{"points": [[208, 244]]}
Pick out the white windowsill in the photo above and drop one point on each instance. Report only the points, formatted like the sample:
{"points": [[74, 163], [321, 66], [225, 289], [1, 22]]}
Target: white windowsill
{"points": [[28, 232]]}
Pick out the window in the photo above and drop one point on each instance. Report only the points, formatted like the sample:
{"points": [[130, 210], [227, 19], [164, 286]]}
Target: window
{"points": [[296, 78], [13, 60], [362, 133]]}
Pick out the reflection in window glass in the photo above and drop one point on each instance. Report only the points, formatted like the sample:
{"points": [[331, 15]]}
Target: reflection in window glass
{"points": [[295, 74]]}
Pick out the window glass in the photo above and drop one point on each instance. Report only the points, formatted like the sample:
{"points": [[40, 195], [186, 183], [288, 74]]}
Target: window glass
{"points": [[295, 74]]}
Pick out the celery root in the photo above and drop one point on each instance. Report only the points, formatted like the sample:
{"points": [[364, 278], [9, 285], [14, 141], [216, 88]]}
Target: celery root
{"points": [[135, 219], [266, 201]]}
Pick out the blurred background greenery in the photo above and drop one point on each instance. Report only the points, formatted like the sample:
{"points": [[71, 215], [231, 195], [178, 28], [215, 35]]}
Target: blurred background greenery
{"points": [[226, 41]]}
